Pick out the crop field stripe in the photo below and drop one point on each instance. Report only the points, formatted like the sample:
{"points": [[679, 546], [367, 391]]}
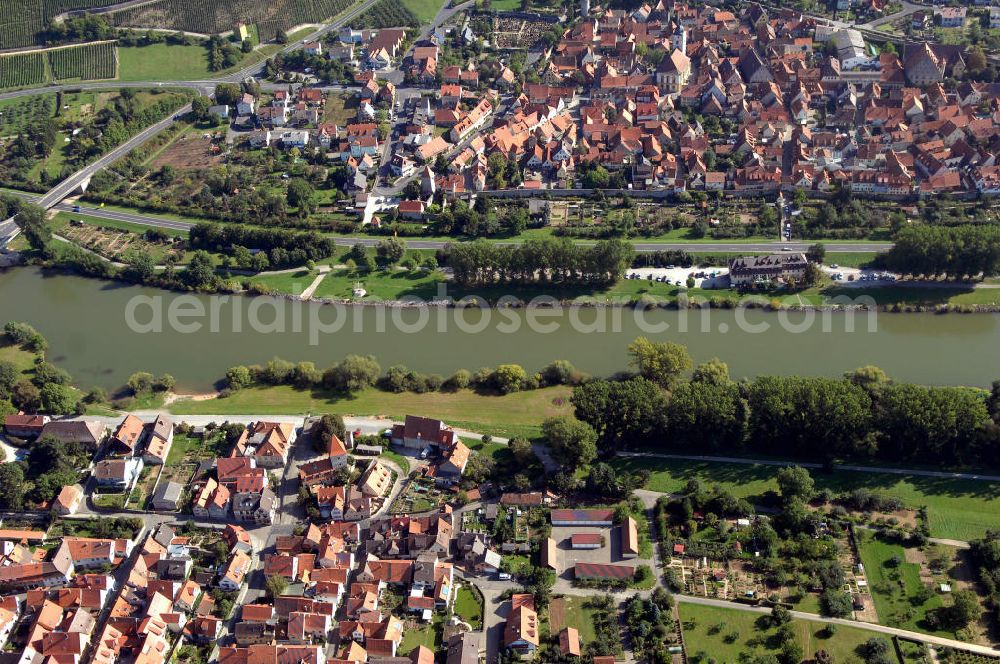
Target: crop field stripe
{"points": [[220, 16]]}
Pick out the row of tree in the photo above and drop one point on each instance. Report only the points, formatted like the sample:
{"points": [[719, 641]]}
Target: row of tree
{"points": [[283, 247], [863, 415], [539, 261], [963, 251]]}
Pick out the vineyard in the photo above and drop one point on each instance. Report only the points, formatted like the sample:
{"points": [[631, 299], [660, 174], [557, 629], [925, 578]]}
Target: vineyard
{"points": [[20, 23], [215, 16], [22, 20], [88, 63], [387, 14], [22, 70]]}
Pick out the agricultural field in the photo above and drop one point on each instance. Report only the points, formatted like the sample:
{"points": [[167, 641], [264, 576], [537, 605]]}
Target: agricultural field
{"points": [[725, 634], [111, 240], [220, 16], [20, 23], [192, 150], [22, 113], [398, 13], [21, 20], [90, 62], [956, 509], [22, 70]]}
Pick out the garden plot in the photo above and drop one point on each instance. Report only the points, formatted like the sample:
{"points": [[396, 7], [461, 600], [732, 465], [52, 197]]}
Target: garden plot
{"points": [[192, 151]]}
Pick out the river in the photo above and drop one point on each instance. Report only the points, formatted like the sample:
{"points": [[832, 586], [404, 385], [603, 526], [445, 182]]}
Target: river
{"points": [[85, 322]]}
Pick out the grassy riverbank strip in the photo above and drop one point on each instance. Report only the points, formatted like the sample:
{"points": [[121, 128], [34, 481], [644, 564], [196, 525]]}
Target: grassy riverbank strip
{"points": [[515, 414]]}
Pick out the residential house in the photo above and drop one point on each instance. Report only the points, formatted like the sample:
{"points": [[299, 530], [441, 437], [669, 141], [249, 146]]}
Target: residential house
{"points": [[25, 426], [159, 440], [118, 474]]}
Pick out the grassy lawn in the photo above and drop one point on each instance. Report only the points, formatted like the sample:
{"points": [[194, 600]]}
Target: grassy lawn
{"points": [[163, 62], [506, 5], [340, 109], [426, 10], [894, 584], [286, 282], [23, 359], [469, 606], [379, 284], [493, 414], [109, 500], [725, 634], [398, 459], [957, 509], [580, 617], [428, 635]]}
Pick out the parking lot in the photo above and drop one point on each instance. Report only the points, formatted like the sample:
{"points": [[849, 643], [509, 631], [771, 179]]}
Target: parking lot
{"points": [[711, 277]]}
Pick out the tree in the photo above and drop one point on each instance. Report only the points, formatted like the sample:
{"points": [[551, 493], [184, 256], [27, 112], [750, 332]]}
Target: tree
{"points": [[9, 373], [976, 59], [200, 106], [780, 616], [140, 382], [352, 374], [26, 396], [602, 480], [835, 602], [12, 486], [795, 482], [871, 378], [141, 266], [238, 377], [275, 586], [522, 450], [573, 443], [300, 194], [57, 399], [508, 378], [713, 372], [816, 253], [621, 412], [327, 427], [390, 251], [228, 94], [200, 272], [660, 362]]}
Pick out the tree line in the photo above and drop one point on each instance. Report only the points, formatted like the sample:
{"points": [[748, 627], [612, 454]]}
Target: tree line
{"points": [[962, 251], [358, 372], [863, 415], [547, 260], [283, 247]]}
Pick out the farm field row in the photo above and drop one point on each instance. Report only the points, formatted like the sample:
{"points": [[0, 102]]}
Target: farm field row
{"points": [[88, 62]]}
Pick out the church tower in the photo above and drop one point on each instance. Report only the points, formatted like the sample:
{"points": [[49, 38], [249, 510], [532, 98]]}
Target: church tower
{"points": [[679, 39]]}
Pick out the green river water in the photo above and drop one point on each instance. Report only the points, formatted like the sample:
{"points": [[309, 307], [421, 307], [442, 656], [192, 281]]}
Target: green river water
{"points": [[85, 322]]}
